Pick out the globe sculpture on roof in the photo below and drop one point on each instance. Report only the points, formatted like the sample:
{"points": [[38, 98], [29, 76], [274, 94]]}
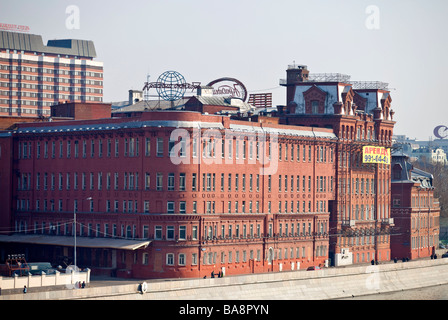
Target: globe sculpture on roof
{"points": [[171, 86]]}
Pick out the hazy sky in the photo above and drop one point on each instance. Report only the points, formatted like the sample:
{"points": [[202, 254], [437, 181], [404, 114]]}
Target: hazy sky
{"points": [[403, 43]]}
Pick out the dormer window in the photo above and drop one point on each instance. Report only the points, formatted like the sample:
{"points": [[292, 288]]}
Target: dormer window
{"points": [[397, 170], [314, 100]]}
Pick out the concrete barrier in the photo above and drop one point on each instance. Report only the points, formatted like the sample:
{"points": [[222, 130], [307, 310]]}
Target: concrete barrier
{"points": [[44, 280], [330, 283]]}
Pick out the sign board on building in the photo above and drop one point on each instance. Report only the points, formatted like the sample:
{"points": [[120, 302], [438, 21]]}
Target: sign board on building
{"points": [[229, 87], [14, 27], [261, 100], [372, 154], [441, 132]]}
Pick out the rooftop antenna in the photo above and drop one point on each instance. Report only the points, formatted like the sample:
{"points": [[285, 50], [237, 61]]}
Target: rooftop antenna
{"points": [[146, 93]]}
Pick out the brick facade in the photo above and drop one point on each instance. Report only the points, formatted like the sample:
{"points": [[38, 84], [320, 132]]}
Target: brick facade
{"points": [[414, 209], [34, 77], [224, 213]]}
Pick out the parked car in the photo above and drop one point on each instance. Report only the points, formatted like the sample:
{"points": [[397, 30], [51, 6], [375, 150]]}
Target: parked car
{"points": [[36, 268], [313, 268]]}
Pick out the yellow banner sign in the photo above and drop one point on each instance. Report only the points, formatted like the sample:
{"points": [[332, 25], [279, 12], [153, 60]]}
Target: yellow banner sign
{"points": [[372, 154]]}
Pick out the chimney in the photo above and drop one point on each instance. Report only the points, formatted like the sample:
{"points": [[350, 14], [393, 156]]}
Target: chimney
{"points": [[294, 75], [135, 96], [377, 114], [338, 108]]}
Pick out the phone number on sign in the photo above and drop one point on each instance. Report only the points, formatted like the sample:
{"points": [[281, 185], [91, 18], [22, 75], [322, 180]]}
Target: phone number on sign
{"points": [[376, 159]]}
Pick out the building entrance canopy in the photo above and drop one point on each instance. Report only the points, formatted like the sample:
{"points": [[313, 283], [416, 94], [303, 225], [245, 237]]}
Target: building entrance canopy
{"points": [[105, 243]]}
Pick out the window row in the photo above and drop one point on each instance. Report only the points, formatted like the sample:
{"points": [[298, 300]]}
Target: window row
{"points": [[363, 212], [424, 241], [241, 149], [170, 182], [361, 186], [171, 207], [77, 181]]}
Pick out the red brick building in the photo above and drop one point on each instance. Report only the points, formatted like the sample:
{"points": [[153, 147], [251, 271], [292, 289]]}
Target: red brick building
{"points": [[224, 207], [213, 187], [415, 210], [360, 114]]}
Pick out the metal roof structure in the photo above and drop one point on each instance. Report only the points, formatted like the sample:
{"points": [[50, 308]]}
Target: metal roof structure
{"points": [[34, 43], [226, 102], [410, 174], [147, 105]]}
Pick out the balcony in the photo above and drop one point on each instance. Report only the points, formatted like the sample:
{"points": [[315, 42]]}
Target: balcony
{"points": [[388, 221], [348, 223]]}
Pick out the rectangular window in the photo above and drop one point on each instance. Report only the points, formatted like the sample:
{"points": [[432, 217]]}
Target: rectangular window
{"points": [[194, 182], [170, 232], [38, 181], [38, 150], [222, 182], [146, 206], [194, 232], [170, 207], [182, 207], [182, 232], [194, 147], [147, 147], [92, 148], [158, 232], [181, 261], [182, 183], [69, 149], [91, 181], [109, 147], [159, 182], [46, 150], [100, 148], [170, 259], [159, 148], [171, 182], [116, 148]]}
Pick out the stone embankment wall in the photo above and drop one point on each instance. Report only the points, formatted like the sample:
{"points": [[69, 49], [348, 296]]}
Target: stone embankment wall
{"points": [[330, 283], [44, 280]]}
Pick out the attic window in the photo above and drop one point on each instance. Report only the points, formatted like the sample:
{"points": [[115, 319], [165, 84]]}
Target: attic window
{"points": [[315, 107], [397, 171]]}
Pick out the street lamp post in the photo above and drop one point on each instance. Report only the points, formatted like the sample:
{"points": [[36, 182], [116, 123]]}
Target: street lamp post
{"points": [[74, 233]]}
